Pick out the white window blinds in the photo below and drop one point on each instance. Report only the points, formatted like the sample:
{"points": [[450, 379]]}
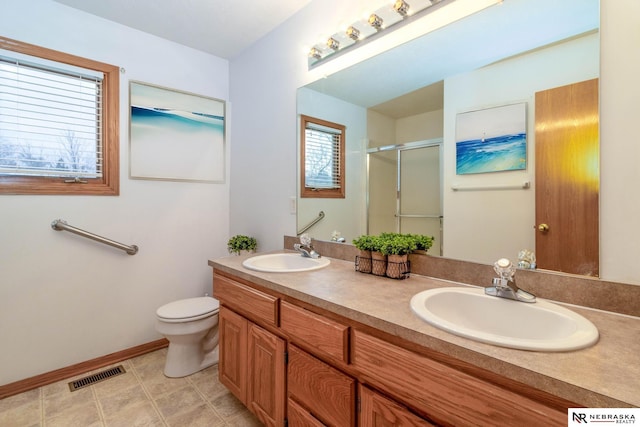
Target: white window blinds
{"points": [[322, 156], [50, 118]]}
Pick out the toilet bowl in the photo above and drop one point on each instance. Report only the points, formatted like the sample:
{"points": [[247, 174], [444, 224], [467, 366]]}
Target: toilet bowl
{"points": [[191, 327]]}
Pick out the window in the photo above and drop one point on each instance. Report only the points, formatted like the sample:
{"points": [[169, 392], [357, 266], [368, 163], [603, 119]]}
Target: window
{"points": [[322, 158], [59, 125]]}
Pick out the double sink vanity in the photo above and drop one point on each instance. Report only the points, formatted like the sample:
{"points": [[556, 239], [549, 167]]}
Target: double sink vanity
{"points": [[317, 343]]}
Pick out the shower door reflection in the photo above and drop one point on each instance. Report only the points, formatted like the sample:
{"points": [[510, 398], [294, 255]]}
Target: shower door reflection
{"points": [[405, 191]]}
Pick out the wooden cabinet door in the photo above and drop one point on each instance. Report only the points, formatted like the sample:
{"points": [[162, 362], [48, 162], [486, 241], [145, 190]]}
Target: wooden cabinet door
{"points": [[378, 411], [325, 392], [266, 376], [299, 417], [232, 368]]}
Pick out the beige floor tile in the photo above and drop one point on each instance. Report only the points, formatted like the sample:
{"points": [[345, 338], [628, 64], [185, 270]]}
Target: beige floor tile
{"points": [[115, 385], [28, 413], [64, 402], [140, 414], [158, 385], [178, 401], [198, 416], [155, 359], [207, 383], [18, 400], [86, 415], [118, 402], [227, 405]]}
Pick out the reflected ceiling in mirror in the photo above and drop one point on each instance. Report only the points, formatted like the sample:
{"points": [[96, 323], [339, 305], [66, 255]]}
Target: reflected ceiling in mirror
{"points": [[499, 32]]}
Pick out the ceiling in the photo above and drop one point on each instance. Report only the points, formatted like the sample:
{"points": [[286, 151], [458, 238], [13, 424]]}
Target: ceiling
{"points": [[220, 27]]}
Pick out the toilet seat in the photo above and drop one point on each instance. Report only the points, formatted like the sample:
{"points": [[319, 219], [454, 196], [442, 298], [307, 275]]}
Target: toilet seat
{"points": [[187, 310]]}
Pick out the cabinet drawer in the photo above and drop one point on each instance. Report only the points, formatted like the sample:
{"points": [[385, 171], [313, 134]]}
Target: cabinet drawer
{"points": [[323, 334], [325, 392], [253, 304], [377, 410], [446, 395], [300, 417]]}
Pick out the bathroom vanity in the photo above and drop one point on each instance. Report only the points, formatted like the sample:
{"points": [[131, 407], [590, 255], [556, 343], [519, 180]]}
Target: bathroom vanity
{"points": [[338, 347]]}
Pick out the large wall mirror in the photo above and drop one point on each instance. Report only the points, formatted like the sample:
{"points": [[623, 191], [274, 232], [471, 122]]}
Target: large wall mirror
{"points": [[401, 107]]}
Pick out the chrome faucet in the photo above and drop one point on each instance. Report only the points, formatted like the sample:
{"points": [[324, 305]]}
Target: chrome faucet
{"points": [[505, 286], [306, 248]]}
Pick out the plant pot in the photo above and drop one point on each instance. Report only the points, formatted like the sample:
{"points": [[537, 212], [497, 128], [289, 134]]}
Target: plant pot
{"points": [[397, 266], [245, 252], [378, 263], [363, 265]]}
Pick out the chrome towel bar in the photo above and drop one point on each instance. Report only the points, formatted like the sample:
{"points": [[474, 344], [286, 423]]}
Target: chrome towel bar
{"points": [[60, 225]]}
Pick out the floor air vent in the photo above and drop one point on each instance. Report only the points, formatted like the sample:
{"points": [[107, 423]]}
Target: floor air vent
{"points": [[96, 378]]}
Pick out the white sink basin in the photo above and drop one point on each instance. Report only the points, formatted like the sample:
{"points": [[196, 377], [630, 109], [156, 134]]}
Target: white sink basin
{"points": [[468, 312], [284, 263]]}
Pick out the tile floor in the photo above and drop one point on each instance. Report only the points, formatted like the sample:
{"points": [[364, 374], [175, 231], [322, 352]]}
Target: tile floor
{"points": [[142, 396]]}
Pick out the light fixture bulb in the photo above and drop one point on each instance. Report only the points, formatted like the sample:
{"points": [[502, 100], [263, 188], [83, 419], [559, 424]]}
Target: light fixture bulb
{"points": [[353, 33], [375, 21], [315, 53], [333, 43], [402, 7]]}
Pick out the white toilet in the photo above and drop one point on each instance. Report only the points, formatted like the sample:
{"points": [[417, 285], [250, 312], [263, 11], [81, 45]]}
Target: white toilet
{"points": [[191, 327]]}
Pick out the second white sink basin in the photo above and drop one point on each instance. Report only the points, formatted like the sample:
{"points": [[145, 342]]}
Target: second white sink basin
{"points": [[468, 312], [284, 263]]}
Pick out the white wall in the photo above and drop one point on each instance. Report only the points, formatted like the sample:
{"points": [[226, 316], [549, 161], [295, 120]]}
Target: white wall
{"points": [[497, 228], [347, 215], [263, 87], [263, 84], [65, 299], [619, 147]]}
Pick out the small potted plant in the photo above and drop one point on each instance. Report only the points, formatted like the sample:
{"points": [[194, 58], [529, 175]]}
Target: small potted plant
{"points": [[423, 243], [397, 247], [239, 244], [365, 244], [378, 259]]}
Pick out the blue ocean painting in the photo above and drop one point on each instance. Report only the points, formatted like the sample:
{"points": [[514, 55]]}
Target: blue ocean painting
{"points": [[492, 139], [500, 153], [165, 119], [176, 135]]}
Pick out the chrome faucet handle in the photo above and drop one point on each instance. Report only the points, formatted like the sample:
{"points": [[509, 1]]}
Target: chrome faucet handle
{"points": [[305, 239], [505, 285]]}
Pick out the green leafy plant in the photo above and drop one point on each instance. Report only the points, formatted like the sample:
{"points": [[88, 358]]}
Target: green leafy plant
{"points": [[423, 243], [365, 243], [397, 244], [241, 243]]}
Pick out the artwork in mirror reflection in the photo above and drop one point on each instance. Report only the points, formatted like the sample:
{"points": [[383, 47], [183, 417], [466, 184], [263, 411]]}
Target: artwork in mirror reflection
{"points": [[491, 140]]}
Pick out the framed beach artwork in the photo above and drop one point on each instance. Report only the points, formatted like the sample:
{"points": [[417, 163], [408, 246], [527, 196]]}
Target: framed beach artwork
{"points": [[175, 136], [492, 140]]}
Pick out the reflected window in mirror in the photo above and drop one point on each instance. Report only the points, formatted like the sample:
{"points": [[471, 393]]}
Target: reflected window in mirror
{"points": [[322, 158]]}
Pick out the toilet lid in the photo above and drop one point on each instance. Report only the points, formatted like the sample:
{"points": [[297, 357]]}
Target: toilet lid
{"points": [[188, 308]]}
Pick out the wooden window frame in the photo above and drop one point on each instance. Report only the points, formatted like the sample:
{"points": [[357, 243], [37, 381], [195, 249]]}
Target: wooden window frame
{"points": [[109, 183], [308, 192]]}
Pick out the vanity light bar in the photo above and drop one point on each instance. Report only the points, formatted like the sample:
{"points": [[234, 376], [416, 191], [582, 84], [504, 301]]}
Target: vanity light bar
{"points": [[385, 18], [378, 21]]}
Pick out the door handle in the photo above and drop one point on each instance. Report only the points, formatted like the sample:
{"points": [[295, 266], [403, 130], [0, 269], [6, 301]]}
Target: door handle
{"points": [[543, 228]]}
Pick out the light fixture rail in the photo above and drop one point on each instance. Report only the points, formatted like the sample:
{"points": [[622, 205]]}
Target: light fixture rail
{"points": [[60, 225]]}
